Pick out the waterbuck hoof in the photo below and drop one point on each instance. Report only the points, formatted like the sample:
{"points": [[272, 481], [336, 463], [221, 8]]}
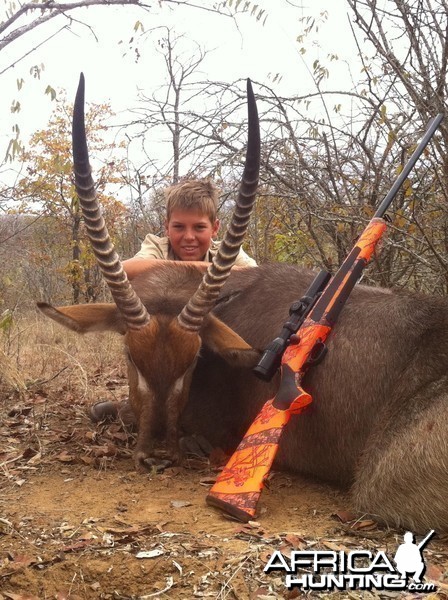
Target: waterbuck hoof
{"points": [[145, 463], [104, 410], [156, 464]]}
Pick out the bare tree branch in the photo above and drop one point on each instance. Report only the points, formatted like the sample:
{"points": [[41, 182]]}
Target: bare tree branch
{"points": [[50, 10]]}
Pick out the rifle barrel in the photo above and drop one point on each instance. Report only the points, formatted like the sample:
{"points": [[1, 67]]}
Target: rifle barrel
{"points": [[433, 124]]}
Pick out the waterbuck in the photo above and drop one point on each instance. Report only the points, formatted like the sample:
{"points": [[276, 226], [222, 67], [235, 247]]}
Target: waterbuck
{"points": [[378, 423]]}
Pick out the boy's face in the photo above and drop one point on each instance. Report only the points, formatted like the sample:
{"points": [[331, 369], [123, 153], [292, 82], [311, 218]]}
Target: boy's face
{"points": [[190, 233]]}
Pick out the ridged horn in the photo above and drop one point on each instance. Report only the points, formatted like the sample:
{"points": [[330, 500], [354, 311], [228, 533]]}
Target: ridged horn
{"points": [[127, 301], [204, 299]]}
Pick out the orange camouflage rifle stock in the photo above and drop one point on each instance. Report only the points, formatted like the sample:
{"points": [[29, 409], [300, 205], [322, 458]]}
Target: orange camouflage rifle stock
{"points": [[300, 345]]}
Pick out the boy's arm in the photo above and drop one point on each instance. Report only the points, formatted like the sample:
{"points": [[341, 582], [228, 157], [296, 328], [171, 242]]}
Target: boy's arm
{"points": [[136, 266]]}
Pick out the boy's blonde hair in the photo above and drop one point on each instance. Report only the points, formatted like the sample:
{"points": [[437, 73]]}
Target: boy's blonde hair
{"points": [[200, 195]]}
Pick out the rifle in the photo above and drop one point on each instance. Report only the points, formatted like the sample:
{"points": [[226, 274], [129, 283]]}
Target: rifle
{"points": [[238, 487]]}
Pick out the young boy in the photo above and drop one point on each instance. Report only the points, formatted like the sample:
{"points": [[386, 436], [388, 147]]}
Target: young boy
{"points": [[190, 226]]}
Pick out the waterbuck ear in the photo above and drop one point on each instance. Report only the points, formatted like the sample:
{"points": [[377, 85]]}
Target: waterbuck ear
{"points": [[83, 318], [220, 338]]}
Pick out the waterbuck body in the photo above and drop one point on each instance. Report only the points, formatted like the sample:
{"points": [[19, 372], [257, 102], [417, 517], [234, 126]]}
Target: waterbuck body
{"points": [[378, 421], [379, 418]]}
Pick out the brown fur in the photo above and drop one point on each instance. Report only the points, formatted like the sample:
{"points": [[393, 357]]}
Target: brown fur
{"points": [[378, 421], [159, 402]]}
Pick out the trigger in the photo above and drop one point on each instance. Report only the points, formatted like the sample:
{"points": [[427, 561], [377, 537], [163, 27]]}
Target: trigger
{"points": [[317, 354]]}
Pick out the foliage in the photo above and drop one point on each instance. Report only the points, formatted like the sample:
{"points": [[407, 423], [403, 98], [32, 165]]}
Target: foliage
{"points": [[48, 190]]}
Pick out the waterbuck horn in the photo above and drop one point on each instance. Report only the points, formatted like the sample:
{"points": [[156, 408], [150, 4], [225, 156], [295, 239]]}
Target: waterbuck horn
{"points": [[127, 301], [204, 299]]}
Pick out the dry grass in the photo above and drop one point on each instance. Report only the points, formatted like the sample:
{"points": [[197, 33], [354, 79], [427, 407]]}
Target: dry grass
{"points": [[10, 374], [37, 352]]}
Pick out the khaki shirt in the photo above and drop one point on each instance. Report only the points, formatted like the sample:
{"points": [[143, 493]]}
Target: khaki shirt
{"points": [[157, 247]]}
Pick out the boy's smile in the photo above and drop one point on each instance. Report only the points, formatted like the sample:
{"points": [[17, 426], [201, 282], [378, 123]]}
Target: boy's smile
{"points": [[190, 234]]}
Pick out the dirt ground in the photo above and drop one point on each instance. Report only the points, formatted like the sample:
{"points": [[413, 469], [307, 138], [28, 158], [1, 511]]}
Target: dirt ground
{"points": [[76, 520]]}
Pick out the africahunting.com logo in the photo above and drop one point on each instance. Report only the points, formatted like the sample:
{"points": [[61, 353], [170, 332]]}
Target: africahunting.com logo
{"points": [[356, 569]]}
